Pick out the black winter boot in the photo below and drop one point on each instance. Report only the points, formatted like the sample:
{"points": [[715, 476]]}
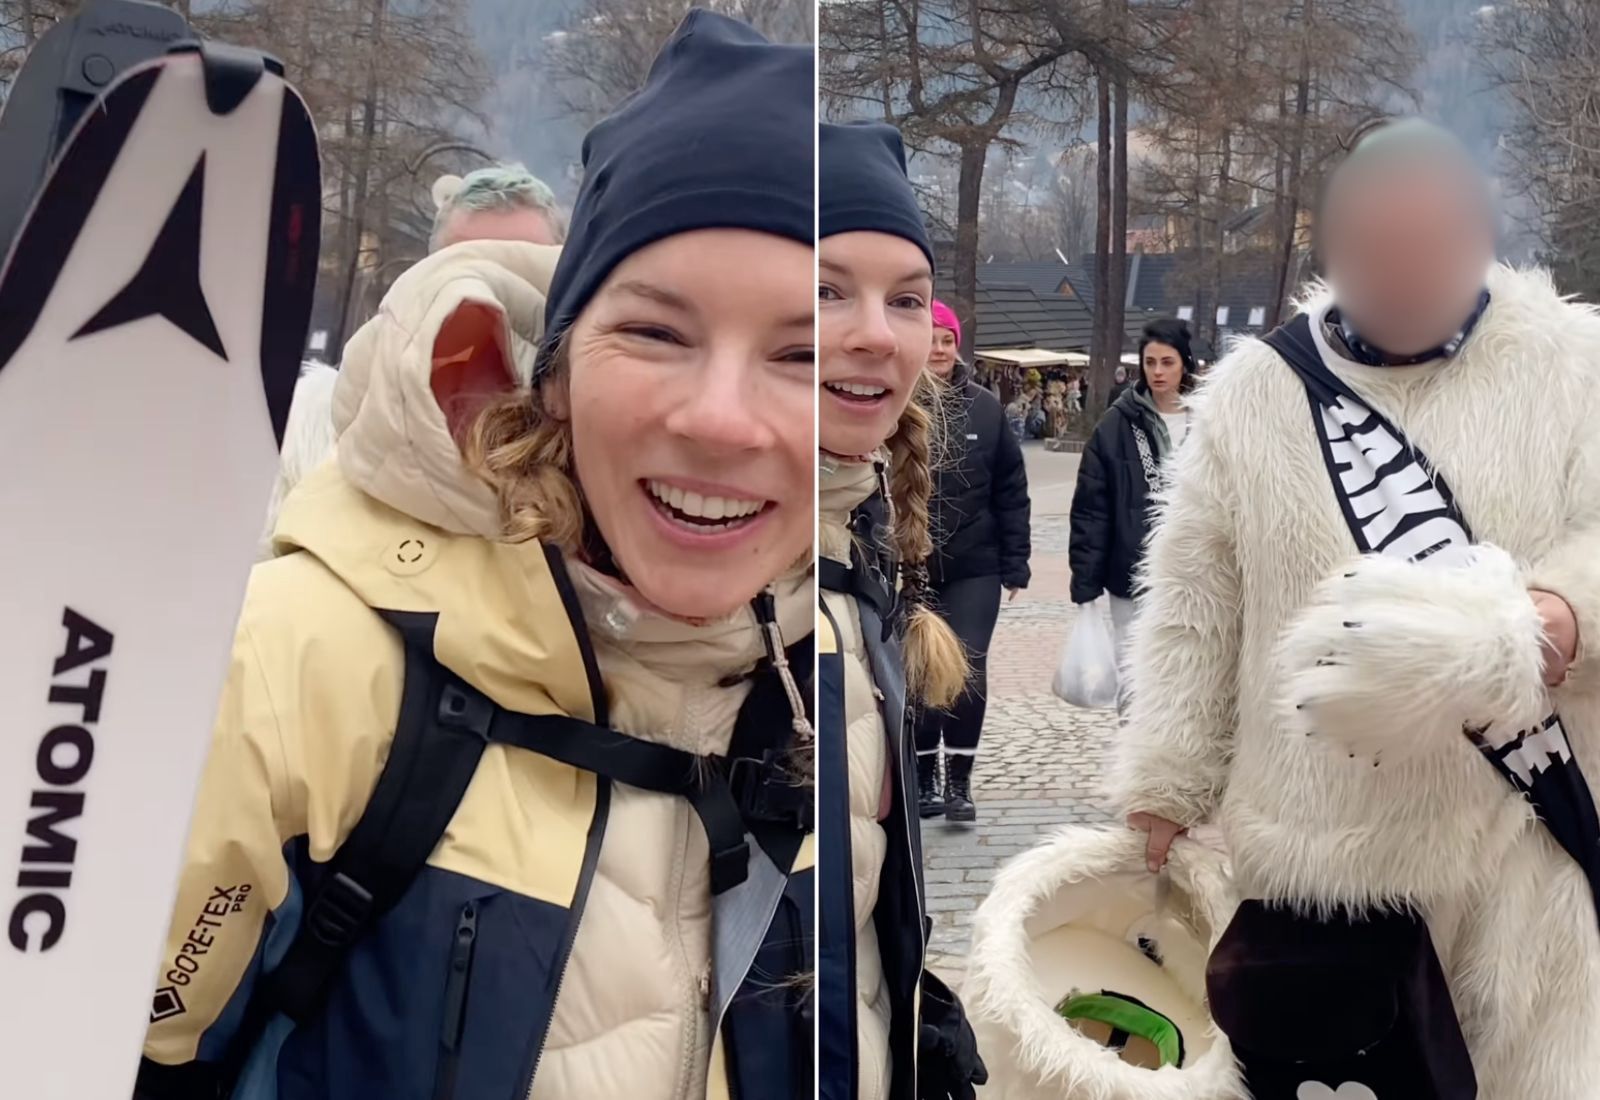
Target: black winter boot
{"points": [[958, 788], [929, 804]]}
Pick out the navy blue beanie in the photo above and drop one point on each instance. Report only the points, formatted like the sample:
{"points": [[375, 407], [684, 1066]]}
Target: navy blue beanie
{"points": [[862, 184], [720, 136]]}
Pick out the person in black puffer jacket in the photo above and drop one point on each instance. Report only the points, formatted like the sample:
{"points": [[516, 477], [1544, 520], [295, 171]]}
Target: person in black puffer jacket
{"points": [[1120, 471], [981, 526]]}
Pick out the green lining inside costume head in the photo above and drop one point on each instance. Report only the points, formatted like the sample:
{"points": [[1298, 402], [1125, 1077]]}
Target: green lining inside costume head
{"points": [[1118, 1021]]}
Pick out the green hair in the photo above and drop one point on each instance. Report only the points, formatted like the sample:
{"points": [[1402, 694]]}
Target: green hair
{"points": [[500, 187]]}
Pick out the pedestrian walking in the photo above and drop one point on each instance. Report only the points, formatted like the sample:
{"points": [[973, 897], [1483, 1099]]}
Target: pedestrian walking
{"points": [[1119, 382], [1120, 472], [1366, 647], [981, 523], [508, 707], [886, 1028]]}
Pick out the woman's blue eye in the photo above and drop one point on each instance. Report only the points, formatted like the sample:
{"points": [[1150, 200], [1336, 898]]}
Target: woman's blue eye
{"points": [[827, 293]]}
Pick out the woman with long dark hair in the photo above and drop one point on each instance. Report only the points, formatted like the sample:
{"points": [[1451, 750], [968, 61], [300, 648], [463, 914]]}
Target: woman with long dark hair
{"points": [[1120, 472]]}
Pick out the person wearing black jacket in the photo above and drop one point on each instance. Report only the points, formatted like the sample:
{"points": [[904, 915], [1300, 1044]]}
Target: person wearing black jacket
{"points": [[981, 525], [1120, 472]]}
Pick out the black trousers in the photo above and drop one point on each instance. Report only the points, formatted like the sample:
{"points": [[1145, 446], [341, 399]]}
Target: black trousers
{"points": [[971, 608]]}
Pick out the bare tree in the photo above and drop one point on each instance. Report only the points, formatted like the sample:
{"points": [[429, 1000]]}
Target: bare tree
{"points": [[953, 75], [1272, 91], [605, 50], [1072, 208], [1546, 54]]}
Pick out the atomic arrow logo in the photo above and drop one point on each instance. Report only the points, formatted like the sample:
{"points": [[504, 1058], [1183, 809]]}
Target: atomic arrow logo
{"points": [[168, 282]]}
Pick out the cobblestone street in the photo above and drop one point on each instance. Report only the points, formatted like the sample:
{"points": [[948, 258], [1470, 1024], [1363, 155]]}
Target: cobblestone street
{"points": [[1040, 761]]}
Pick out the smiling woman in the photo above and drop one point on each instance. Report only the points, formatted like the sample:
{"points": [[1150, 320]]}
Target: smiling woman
{"points": [[524, 698], [877, 417]]}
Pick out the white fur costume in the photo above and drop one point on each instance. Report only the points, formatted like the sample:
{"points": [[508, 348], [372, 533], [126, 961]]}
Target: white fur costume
{"points": [[1234, 619], [1091, 885]]}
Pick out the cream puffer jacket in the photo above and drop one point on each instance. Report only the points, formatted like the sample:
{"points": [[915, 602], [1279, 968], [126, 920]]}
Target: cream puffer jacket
{"points": [[631, 1017], [1251, 532], [842, 487]]}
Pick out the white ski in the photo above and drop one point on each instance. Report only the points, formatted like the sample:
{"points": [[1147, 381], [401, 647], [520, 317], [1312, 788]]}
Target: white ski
{"points": [[152, 313]]}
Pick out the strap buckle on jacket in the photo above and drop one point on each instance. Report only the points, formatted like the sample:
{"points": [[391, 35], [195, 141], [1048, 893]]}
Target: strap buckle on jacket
{"points": [[765, 791]]}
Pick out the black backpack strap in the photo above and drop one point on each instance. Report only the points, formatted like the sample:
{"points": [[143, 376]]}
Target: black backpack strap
{"points": [[439, 738], [777, 805], [643, 764], [834, 576], [440, 735]]}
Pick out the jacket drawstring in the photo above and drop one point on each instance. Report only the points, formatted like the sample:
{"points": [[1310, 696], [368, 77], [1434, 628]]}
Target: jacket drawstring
{"points": [[765, 606]]}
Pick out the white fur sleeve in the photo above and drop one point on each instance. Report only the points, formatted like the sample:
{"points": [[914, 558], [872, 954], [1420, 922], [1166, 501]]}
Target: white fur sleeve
{"points": [[1571, 568], [1172, 756], [1394, 659]]}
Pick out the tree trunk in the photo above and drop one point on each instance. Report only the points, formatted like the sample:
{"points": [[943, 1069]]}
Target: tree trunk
{"points": [[1282, 223], [28, 37], [969, 190], [1119, 228], [1100, 365], [1224, 212], [883, 53], [1198, 324], [369, 123], [1297, 150]]}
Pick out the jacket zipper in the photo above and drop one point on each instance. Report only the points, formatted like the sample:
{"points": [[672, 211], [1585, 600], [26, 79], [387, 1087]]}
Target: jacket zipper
{"points": [[586, 873], [699, 991], [455, 1001]]}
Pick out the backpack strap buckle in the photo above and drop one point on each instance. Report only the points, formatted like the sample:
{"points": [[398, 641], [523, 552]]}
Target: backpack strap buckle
{"points": [[764, 791], [462, 708], [340, 910]]}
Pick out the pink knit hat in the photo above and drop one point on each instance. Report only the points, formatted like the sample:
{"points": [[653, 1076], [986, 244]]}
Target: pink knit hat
{"points": [[945, 317]]}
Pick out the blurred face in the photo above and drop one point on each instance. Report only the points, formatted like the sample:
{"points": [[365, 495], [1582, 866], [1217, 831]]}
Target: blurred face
{"points": [[690, 396], [1163, 369], [1406, 256], [876, 332], [519, 224], [942, 359]]}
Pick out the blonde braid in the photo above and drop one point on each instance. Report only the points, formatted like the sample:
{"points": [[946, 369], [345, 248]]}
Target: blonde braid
{"points": [[936, 663]]}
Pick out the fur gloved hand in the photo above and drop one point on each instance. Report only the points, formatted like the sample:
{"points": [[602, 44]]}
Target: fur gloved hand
{"points": [[1394, 658], [948, 1065]]}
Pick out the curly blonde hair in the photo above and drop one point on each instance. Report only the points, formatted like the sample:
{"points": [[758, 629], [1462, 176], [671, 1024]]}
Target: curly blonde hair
{"points": [[936, 663], [525, 455]]}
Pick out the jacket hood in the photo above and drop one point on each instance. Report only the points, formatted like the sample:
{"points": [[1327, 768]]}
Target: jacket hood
{"points": [[394, 443], [501, 625], [1133, 404], [405, 526]]}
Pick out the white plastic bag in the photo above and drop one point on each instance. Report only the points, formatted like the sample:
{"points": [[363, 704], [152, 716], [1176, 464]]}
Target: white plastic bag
{"points": [[1086, 675]]}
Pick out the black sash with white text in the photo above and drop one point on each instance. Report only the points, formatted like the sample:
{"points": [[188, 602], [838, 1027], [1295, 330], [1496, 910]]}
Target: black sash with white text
{"points": [[1396, 503]]}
